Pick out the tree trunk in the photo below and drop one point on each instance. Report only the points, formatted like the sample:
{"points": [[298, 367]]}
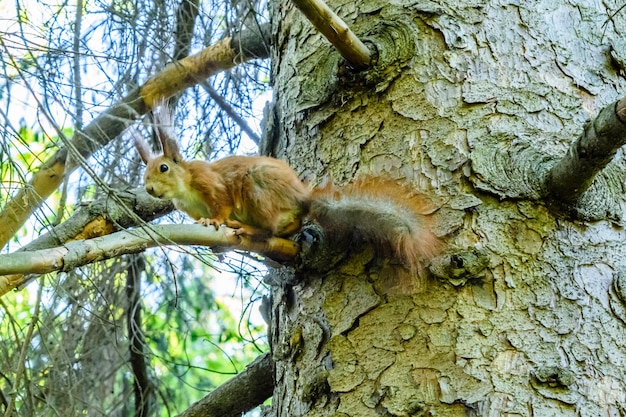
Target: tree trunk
{"points": [[532, 322]]}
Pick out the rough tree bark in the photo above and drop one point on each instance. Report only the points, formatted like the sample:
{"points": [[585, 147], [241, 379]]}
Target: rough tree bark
{"points": [[533, 325]]}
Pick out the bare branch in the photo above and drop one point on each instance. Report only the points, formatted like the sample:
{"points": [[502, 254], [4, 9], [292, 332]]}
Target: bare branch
{"points": [[34, 321], [101, 217], [239, 394], [76, 79], [192, 69], [144, 390], [104, 216], [252, 43], [594, 149], [228, 109], [336, 31], [186, 14], [81, 252], [174, 77]]}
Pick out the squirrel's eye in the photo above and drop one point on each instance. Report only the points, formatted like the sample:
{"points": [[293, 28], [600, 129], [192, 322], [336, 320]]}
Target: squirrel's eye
{"points": [[164, 168]]}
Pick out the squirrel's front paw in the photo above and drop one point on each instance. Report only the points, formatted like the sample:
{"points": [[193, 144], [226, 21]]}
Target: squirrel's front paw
{"points": [[210, 222]]}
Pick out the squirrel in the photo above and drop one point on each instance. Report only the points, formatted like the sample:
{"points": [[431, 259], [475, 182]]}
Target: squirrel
{"points": [[262, 196]]}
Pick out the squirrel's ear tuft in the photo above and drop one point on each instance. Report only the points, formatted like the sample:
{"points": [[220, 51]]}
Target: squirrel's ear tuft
{"points": [[164, 128], [142, 147]]}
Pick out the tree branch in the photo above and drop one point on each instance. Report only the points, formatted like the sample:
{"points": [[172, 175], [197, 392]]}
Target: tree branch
{"points": [[228, 109], [34, 321], [174, 77], [186, 14], [141, 383], [594, 149], [101, 217], [239, 394], [81, 252], [336, 31]]}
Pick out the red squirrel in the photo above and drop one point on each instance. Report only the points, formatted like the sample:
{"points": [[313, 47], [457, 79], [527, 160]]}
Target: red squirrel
{"points": [[263, 196]]}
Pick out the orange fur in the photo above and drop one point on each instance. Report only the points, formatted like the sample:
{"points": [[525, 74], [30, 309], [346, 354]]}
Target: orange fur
{"points": [[263, 196], [254, 193]]}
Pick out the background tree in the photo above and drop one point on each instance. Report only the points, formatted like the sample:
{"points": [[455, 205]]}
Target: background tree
{"points": [[106, 338], [475, 106]]}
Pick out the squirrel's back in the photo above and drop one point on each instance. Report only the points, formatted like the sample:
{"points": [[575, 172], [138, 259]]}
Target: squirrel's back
{"points": [[264, 192], [381, 212]]}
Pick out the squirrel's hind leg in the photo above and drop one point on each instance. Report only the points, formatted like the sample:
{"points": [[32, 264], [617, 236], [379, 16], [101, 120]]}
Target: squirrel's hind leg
{"points": [[253, 232]]}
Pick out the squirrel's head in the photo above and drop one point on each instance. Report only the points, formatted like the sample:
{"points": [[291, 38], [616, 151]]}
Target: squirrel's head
{"points": [[165, 175]]}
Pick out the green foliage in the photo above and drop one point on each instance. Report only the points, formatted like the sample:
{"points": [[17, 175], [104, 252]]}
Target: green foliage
{"points": [[192, 344], [19, 157]]}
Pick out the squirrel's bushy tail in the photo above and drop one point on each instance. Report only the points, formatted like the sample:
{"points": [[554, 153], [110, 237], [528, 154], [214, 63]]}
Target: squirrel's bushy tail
{"points": [[383, 213]]}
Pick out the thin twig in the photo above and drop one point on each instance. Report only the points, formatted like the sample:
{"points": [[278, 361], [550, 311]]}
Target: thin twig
{"points": [[78, 95], [228, 109], [78, 99]]}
